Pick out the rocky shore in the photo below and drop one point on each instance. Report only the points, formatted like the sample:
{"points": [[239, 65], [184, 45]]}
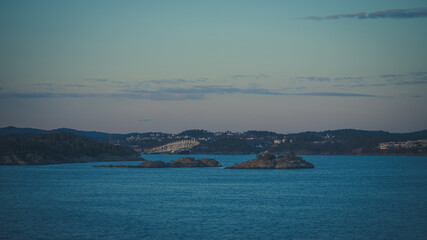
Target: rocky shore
{"points": [[184, 162], [270, 161]]}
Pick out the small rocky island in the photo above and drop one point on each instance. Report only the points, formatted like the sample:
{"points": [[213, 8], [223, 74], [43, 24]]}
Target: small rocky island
{"points": [[184, 162], [270, 161]]}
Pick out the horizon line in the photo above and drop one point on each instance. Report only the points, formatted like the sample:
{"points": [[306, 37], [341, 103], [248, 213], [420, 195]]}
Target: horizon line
{"points": [[136, 132]]}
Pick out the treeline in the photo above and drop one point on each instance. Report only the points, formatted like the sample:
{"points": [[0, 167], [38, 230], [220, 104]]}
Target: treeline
{"points": [[338, 142], [54, 148]]}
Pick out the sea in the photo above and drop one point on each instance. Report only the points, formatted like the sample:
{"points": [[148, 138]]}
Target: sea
{"points": [[343, 197]]}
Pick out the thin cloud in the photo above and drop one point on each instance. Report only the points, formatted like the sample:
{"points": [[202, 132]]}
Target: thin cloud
{"points": [[44, 85], [161, 96], [315, 79], [371, 85], [97, 79], [173, 94], [55, 87], [415, 82], [169, 82], [251, 76], [389, 76], [44, 95], [76, 85], [412, 78], [118, 82], [48, 86], [356, 79], [203, 90], [327, 79], [336, 94], [300, 88], [419, 73], [392, 13]]}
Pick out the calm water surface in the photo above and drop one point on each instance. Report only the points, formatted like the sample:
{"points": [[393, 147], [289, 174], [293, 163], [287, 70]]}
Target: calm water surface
{"points": [[344, 197]]}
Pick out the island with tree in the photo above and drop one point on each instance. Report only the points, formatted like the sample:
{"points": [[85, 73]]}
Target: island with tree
{"points": [[271, 161]]}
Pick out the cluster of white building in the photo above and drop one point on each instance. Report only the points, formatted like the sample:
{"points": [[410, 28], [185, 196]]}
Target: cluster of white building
{"points": [[407, 144], [175, 146]]}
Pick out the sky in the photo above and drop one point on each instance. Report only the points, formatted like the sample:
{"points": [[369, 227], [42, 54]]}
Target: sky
{"points": [[279, 65]]}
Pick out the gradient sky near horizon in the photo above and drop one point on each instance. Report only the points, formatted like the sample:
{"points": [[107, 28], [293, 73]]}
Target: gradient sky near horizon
{"points": [[283, 66]]}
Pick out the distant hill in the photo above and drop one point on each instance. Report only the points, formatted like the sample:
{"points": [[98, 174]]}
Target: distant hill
{"points": [[55, 148], [14, 131], [8, 132], [254, 133], [350, 141], [342, 141], [196, 133]]}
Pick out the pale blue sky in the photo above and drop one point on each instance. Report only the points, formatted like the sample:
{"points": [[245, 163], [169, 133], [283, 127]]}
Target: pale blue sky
{"points": [[285, 66]]}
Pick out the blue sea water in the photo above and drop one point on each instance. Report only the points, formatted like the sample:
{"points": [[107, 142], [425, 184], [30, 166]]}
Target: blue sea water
{"points": [[344, 197]]}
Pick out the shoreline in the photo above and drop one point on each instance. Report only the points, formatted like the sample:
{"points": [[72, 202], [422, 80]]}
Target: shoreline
{"points": [[379, 154]]}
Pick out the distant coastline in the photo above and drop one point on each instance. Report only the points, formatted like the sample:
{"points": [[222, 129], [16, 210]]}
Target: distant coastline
{"points": [[323, 154], [331, 142]]}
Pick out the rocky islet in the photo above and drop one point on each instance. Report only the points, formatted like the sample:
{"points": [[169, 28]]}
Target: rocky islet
{"points": [[265, 161], [271, 161], [184, 162]]}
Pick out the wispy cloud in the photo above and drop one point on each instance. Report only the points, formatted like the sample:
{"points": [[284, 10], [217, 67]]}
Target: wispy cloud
{"points": [[76, 85], [48, 86], [390, 79], [370, 85], [55, 87], [161, 96], [44, 95], [336, 94], [174, 81], [356, 79], [412, 78], [392, 13], [315, 79], [173, 94], [415, 82], [44, 85], [392, 75], [423, 74], [164, 82], [97, 79], [250, 76], [211, 89]]}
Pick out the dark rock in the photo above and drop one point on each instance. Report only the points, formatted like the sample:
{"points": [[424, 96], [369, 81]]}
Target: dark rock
{"points": [[266, 156], [152, 164], [270, 161], [187, 162], [108, 165], [209, 162]]}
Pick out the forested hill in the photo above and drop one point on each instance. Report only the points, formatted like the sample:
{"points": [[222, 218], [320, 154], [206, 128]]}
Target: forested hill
{"points": [[58, 148], [9, 132], [331, 142]]}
